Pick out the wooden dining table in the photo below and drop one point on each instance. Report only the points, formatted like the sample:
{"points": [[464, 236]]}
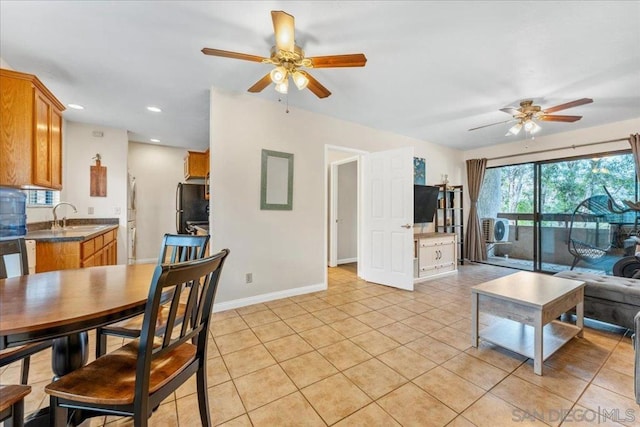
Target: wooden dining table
{"points": [[63, 305]]}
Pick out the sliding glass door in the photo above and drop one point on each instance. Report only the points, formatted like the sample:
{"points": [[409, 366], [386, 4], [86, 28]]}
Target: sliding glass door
{"points": [[560, 214]]}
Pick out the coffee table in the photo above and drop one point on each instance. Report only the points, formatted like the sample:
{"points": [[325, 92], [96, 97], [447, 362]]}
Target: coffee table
{"points": [[529, 304]]}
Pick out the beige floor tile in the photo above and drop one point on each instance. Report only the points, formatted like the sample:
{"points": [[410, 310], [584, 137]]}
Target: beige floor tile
{"points": [[335, 398], [460, 421], [416, 307], [287, 347], [272, 331], [442, 316], [433, 349], [375, 378], [449, 388], [423, 324], [453, 337], [254, 308], [321, 336], [290, 411], [401, 332], [375, 303], [223, 315], [236, 341], [227, 326], [289, 311], [374, 319], [216, 374], [250, 359], [370, 415], [350, 327], [396, 312], [241, 421], [613, 405], [574, 365], [224, 405], [314, 305], [303, 322], [475, 370], [621, 360], [330, 315], [497, 356], [555, 381], [411, 406], [535, 400], [260, 318], [308, 369], [344, 354], [374, 342], [354, 308], [264, 386], [407, 362], [491, 411], [616, 382]]}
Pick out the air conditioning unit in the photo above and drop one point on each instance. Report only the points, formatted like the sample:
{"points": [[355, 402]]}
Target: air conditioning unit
{"points": [[495, 230]]}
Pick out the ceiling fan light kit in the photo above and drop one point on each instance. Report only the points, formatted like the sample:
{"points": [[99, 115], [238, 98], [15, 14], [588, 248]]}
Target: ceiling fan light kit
{"points": [[288, 58], [527, 115]]}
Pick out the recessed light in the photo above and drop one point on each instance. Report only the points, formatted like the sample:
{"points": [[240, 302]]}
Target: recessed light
{"points": [[154, 140], [75, 106], [154, 109]]}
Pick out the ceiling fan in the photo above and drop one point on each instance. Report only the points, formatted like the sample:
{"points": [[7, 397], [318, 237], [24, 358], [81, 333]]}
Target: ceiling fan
{"points": [[289, 60], [526, 116]]}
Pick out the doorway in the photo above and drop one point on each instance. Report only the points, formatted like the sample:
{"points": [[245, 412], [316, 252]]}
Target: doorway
{"points": [[343, 212]]}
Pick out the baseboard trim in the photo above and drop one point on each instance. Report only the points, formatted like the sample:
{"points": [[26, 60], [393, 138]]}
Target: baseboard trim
{"points": [[146, 261], [347, 260], [243, 302]]}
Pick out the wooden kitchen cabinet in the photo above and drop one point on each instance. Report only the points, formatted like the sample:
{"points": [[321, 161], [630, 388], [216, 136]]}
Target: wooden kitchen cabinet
{"points": [[196, 165], [96, 251], [31, 137]]}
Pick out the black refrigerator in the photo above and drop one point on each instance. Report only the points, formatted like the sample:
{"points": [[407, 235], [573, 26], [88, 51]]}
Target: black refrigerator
{"points": [[191, 207]]}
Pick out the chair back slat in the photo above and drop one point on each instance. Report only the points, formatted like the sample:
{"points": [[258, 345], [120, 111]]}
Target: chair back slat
{"points": [[13, 247], [198, 281], [182, 247]]}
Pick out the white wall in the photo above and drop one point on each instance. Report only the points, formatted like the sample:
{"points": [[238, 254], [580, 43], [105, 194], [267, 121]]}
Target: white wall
{"points": [[524, 147], [79, 148], [158, 170], [284, 249]]}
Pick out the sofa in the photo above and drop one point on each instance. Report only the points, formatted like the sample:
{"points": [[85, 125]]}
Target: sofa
{"points": [[610, 299]]}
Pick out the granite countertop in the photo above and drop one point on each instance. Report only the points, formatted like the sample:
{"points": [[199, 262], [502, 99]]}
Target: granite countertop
{"points": [[77, 230]]}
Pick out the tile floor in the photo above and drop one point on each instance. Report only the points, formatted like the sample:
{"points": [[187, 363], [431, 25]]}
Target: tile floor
{"points": [[361, 354]]}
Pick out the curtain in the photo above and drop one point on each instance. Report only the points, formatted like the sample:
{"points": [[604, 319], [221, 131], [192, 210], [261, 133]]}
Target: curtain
{"points": [[474, 248], [634, 140]]}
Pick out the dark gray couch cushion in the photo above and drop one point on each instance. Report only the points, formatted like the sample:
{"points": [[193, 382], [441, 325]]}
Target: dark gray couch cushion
{"points": [[610, 299]]}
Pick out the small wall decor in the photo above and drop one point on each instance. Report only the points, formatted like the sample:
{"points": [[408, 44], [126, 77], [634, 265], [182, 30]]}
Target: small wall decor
{"points": [[419, 171], [98, 179], [276, 184]]}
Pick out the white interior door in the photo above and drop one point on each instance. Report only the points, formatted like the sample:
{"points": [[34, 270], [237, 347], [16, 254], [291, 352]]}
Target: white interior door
{"points": [[387, 218]]}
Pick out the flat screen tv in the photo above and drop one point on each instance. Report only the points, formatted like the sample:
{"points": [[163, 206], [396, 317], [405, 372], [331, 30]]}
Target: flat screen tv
{"points": [[425, 200]]}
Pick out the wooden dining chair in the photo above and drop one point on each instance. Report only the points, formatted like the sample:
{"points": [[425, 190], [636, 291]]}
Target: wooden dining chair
{"points": [[12, 404], [136, 378], [16, 249], [175, 248]]}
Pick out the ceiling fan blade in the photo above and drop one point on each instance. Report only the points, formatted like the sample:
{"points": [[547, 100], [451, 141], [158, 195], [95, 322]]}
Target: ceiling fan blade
{"points": [[261, 84], [511, 110], [335, 61], [317, 88], [568, 105], [284, 30], [558, 118], [234, 55], [493, 124]]}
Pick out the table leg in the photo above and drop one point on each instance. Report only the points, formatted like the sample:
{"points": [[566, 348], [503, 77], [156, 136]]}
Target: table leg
{"points": [[580, 318], [537, 344], [69, 353], [474, 319]]}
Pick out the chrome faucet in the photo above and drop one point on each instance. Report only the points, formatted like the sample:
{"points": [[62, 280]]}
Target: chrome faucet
{"points": [[55, 225]]}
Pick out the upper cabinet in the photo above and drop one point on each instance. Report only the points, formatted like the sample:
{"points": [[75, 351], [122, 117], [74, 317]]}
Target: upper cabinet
{"points": [[196, 165], [31, 137]]}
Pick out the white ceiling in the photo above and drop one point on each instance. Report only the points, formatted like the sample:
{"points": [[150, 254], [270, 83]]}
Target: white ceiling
{"points": [[434, 70]]}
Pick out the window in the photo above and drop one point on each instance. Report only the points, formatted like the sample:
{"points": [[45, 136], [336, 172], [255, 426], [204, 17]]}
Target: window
{"points": [[46, 198]]}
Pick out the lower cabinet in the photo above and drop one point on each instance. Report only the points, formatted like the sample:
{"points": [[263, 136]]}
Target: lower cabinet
{"points": [[435, 254], [98, 250]]}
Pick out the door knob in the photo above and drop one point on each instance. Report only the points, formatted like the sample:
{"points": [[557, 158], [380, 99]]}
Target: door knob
{"points": [[406, 226]]}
